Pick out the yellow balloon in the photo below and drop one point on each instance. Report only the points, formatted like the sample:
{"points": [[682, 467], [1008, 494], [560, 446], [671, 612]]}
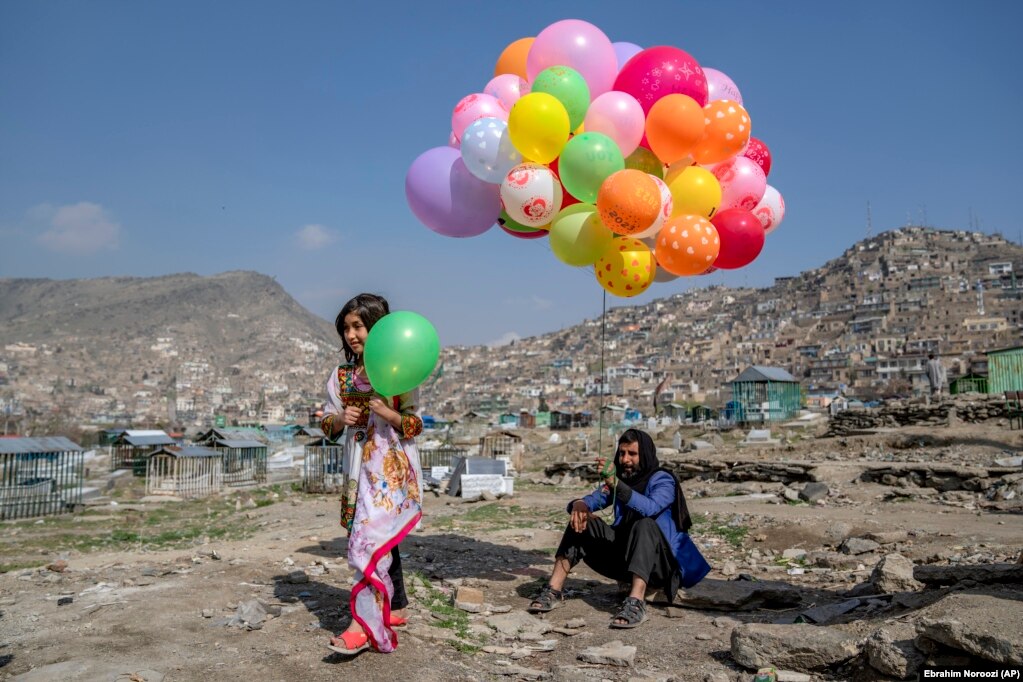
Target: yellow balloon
{"points": [[627, 267], [695, 191], [538, 126]]}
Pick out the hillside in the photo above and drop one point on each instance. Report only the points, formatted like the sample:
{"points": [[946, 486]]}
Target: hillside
{"points": [[154, 347], [183, 349]]}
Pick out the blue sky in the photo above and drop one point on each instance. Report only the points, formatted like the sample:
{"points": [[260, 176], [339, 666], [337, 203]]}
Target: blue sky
{"points": [[161, 137]]}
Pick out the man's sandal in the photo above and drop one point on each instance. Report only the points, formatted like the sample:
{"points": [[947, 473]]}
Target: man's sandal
{"points": [[633, 612], [351, 643], [548, 600]]}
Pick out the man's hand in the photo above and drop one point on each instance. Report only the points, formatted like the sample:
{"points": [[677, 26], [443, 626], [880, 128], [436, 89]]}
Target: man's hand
{"points": [[580, 516], [608, 479]]}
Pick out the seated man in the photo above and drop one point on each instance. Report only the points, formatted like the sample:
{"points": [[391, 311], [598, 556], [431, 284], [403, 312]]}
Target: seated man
{"points": [[647, 545]]}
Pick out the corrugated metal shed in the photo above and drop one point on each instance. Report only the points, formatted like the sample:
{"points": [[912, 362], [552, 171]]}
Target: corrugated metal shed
{"points": [[142, 441], [763, 373], [188, 451], [15, 446], [223, 442]]}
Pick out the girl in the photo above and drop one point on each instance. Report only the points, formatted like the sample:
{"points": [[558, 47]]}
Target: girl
{"points": [[381, 482]]}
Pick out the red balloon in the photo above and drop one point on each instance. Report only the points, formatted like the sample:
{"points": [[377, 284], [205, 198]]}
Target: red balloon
{"points": [[658, 71], [757, 151], [742, 238]]}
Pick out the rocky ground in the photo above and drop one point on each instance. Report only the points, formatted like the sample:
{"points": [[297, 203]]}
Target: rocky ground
{"points": [[856, 557]]}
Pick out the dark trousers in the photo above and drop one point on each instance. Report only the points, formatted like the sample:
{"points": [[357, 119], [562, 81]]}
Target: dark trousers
{"points": [[399, 599], [620, 552]]}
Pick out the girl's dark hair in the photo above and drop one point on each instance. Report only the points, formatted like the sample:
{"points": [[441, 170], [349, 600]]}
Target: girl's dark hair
{"points": [[369, 308]]}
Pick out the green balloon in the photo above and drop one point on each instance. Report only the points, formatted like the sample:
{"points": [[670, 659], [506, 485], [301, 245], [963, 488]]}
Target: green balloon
{"points": [[505, 221], [401, 351], [569, 87], [644, 160], [585, 163], [578, 237]]}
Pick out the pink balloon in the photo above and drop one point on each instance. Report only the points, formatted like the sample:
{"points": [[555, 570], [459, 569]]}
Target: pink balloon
{"points": [[474, 107], [507, 88], [720, 86], [771, 210], [577, 44], [758, 151], [742, 183], [619, 116], [659, 71]]}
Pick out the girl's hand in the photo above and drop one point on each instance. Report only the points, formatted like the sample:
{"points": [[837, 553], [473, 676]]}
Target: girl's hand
{"points": [[350, 417], [379, 406]]}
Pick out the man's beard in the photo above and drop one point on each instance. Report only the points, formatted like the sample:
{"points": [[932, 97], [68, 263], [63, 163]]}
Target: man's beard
{"points": [[629, 473]]}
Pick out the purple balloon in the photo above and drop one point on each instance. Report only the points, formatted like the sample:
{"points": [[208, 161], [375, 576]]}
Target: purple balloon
{"points": [[447, 198], [624, 52]]}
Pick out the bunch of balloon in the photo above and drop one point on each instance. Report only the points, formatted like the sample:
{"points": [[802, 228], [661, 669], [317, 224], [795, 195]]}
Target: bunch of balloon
{"points": [[638, 163]]}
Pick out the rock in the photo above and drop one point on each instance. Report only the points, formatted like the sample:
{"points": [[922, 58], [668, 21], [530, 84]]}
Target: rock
{"points": [[518, 624], [58, 566], [979, 573], [800, 647], [521, 673], [728, 568], [890, 650], [612, 653], [575, 623], [80, 669], [738, 595], [894, 573], [250, 614], [888, 537], [979, 624], [488, 496], [813, 492], [790, 494], [207, 613], [297, 578], [468, 599], [837, 532], [704, 637], [794, 553], [858, 546]]}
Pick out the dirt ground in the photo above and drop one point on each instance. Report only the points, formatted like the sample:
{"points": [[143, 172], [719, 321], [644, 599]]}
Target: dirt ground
{"points": [[157, 610]]}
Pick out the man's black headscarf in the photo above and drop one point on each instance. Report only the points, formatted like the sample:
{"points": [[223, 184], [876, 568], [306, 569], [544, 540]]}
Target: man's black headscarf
{"points": [[648, 466]]}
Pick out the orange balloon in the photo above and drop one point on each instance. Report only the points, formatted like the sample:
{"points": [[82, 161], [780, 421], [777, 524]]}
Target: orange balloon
{"points": [[674, 125], [726, 133], [629, 201], [513, 59], [687, 245]]}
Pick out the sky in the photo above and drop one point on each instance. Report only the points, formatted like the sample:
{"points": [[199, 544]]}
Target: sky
{"points": [[142, 139]]}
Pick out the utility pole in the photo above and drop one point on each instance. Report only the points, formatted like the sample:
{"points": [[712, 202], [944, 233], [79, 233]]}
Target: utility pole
{"points": [[870, 222]]}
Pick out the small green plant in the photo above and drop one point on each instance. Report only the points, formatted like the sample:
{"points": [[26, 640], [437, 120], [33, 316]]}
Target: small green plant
{"points": [[447, 616]]}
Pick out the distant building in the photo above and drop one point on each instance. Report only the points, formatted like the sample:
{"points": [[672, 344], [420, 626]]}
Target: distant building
{"points": [[765, 394]]}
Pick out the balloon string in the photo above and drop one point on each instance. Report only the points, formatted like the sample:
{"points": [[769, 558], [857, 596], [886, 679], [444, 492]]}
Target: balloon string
{"points": [[603, 378]]}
